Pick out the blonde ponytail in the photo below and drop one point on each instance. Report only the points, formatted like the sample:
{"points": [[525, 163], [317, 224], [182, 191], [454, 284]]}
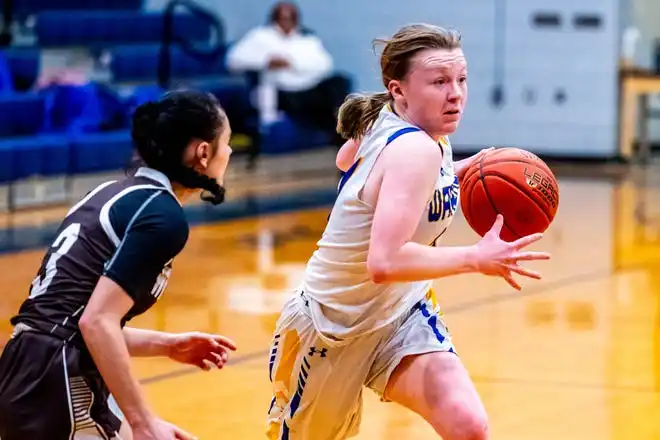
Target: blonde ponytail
{"points": [[358, 113]]}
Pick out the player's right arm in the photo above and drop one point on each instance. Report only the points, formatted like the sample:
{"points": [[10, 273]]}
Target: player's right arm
{"points": [[410, 167], [153, 236]]}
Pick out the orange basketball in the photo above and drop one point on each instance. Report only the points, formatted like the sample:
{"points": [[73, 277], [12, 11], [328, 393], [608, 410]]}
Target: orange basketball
{"points": [[514, 183]]}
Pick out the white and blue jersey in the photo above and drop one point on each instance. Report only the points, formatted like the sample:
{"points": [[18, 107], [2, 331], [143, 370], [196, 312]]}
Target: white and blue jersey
{"points": [[343, 300]]}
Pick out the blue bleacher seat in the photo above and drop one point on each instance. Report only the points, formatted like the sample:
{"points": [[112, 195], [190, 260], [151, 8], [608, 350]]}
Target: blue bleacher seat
{"points": [[22, 157], [142, 94], [6, 79], [27, 7], [21, 114], [286, 136], [82, 108], [70, 108], [6, 162], [232, 91], [24, 64], [140, 63], [94, 152], [107, 28]]}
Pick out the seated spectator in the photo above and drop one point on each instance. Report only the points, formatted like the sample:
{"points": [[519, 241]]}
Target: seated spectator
{"points": [[295, 70]]}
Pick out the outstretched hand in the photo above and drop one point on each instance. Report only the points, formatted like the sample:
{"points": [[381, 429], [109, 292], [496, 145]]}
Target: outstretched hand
{"points": [[202, 350], [496, 257]]}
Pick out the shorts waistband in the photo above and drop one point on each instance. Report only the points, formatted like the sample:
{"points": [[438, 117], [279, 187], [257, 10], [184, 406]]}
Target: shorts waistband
{"points": [[56, 332], [428, 301], [428, 298]]}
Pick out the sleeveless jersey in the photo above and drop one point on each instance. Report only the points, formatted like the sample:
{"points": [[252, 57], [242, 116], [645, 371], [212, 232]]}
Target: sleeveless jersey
{"points": [[129, 231], [342, 299]]}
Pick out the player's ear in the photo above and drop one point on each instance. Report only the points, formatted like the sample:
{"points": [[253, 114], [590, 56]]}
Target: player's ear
{"points": [[203, 153], [395, 89]]}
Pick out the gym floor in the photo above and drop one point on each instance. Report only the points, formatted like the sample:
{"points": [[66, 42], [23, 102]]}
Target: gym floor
{"points": [[575, 356]]}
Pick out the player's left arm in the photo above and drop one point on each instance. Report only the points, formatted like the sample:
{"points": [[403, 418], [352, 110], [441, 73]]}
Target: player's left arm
{"points": [[203, 350], [147, 343], [157, 236]]}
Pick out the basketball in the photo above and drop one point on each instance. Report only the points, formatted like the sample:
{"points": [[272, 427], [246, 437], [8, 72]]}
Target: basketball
{"points": [[514, 183]]}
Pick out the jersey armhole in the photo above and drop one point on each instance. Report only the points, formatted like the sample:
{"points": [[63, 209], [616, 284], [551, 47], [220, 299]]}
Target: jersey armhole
{"points": [[394, 136]]}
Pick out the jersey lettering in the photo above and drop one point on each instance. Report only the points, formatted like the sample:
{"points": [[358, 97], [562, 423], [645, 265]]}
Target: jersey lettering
{"points": [[62, 244], [444, 202]]}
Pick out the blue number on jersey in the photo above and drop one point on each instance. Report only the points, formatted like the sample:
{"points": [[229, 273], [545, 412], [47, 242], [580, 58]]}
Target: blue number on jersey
{"points": [[444, 202]]}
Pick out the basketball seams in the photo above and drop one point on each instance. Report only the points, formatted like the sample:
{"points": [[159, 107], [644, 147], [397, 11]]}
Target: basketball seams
{"points": [[489, 198], [517, 155], [495, 152], [467, 186], [506, 165], [470, 172], [521, 188], [526, 162], [504, 179]]}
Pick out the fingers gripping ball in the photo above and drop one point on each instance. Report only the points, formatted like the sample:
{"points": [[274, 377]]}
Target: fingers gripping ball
{"points": [[514, 183]]}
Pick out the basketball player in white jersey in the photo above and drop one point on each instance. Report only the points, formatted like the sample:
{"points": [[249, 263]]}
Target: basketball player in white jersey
{"points": [[365, 315]]}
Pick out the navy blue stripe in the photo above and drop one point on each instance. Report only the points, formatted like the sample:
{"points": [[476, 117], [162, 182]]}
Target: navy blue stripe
{"points": [[401, 132], [271, 364], [432, 321], [302, 376], [295, 402], [273, 356]]}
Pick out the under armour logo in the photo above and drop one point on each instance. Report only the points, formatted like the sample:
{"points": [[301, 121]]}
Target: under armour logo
{"points": [[322, 351]]}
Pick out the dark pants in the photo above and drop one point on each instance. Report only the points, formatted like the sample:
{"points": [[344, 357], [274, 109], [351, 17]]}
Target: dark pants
{"points": [[49, 390], [317, 107]]}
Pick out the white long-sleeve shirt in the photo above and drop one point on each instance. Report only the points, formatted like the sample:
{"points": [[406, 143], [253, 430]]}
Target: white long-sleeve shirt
{"points": [[309, 61]]}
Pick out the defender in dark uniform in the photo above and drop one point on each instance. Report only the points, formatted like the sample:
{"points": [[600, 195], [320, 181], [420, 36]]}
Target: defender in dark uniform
{"points": [[111, 261]]}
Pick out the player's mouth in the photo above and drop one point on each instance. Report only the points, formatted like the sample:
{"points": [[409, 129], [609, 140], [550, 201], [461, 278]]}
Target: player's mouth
{"points": [[452, 115]]}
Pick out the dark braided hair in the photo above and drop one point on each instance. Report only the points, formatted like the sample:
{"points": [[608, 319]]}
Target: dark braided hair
{"points": [[162, 131]]}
